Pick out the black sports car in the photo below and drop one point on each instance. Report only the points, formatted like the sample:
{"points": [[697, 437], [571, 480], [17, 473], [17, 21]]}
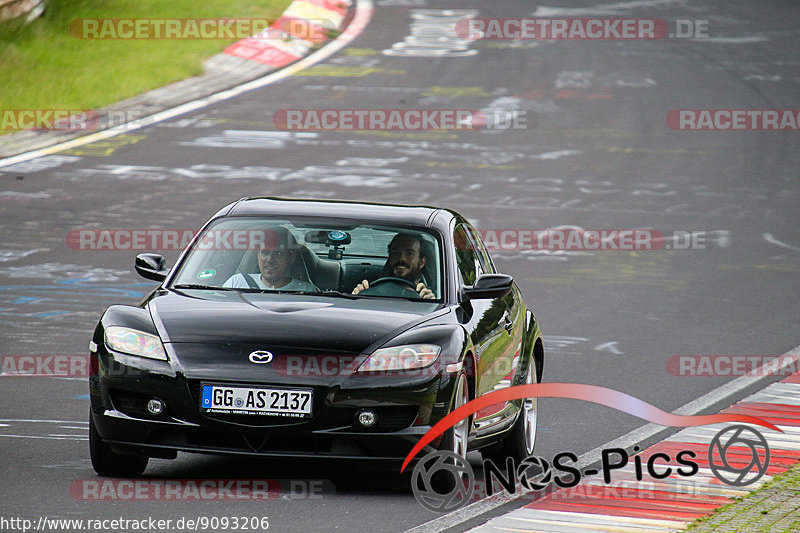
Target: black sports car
{"points": [[314, 328]]}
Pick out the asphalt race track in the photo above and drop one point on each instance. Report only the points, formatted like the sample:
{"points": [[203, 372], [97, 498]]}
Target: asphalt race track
{"points": [[591, 148]]}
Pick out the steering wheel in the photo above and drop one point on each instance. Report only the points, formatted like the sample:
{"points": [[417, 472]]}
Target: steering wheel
{"points": [[405, 288]]}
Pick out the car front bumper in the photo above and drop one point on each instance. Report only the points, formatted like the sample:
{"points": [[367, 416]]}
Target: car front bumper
{"points": [[405, 409]]}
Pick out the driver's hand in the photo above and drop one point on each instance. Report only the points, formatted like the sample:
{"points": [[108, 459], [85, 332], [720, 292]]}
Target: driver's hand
{"points": [[362, 286], [424, 292]]}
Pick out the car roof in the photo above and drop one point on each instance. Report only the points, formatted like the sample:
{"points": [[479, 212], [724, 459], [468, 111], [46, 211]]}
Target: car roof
{"points": [[418, 215]]}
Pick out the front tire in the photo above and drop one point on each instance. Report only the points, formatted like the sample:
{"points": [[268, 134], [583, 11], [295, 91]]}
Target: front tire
{"points": [[519, 443], [108, 463], [454, 439]]}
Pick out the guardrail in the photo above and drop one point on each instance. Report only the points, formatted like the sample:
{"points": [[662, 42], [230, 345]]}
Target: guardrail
{"points": [[30, 9]]}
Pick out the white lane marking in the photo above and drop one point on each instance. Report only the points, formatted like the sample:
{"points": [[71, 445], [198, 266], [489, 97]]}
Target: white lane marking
{"points": [[41, 437], [370, 161], [44, 163], [547, 156], [432, 33], [44, 421], [626, 441], [772, 240], [647, 82], [19, 195], [249, 139], [56, 270], [779, 393], [745, 39], [7, 255], [359, 22], [610, 347], [759, 77], [539, 255], [73, 465], [602, 9]]}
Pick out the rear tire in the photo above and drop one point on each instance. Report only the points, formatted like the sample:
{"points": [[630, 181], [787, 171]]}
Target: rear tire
{"points": [[108, 463]]}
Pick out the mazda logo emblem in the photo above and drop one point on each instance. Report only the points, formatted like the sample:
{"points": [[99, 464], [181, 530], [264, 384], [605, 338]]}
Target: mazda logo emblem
{"points": [[260, 357]]}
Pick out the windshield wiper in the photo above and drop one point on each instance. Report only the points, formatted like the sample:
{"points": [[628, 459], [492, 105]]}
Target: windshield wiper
{"points": [[201, 287], [330, 292], [409, 298]]}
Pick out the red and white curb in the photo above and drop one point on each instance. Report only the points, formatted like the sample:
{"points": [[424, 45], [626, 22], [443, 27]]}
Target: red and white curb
{"points": [[670, 504], [304, 24]]}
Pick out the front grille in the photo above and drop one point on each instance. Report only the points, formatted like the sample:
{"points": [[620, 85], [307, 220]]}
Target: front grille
{"points": [[389, 418], [321, 417]]}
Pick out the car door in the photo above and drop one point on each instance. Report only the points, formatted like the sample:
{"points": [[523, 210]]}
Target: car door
{"points": [[486, 325], [513, 319]]}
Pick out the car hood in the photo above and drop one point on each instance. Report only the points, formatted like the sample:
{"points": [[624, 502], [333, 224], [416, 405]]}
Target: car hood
{"points": [[315, 323]]}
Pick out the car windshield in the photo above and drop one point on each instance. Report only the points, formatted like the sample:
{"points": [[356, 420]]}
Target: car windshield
{"points": [[314, 256]]}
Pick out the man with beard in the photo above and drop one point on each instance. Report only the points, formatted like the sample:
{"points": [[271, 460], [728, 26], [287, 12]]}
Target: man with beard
{"points": [[406, 260]]}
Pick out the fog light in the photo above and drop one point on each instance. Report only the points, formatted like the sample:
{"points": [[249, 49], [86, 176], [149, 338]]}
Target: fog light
{"points": [[155, 406], [366, 418]]}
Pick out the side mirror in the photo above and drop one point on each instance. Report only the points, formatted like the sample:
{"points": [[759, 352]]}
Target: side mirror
{"points": [[488, 286], [151, 266]]}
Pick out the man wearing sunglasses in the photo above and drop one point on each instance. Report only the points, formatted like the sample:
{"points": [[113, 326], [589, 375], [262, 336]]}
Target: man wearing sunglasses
{"points": [[276, 255]]}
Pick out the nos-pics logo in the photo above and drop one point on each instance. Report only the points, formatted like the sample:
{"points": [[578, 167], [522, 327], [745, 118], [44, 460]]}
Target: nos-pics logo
{"points": [[443, 481]]}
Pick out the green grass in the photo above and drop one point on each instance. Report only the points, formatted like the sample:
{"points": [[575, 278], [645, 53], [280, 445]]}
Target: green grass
{"points": [[42, 66], [755, 510]]}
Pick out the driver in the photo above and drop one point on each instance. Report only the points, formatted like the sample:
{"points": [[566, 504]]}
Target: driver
{"points": [[405, 261], [275, 257]]}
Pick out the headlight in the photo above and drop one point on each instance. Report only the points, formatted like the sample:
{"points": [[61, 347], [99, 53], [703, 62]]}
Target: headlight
{"points": [[135, 342], [401, 358]]}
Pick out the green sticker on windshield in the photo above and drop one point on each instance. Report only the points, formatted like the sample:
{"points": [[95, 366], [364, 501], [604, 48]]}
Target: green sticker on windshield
{"points": [[206, 274]]}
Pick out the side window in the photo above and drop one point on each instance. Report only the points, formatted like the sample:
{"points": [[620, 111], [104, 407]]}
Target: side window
{"points": [[483, 255], [467, 258]]}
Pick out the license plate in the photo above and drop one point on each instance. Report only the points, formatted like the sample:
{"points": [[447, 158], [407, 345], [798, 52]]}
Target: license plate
{"points": [[234, 400]]}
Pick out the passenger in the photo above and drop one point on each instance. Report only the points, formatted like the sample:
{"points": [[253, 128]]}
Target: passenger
{"points": [[275, 259]]}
